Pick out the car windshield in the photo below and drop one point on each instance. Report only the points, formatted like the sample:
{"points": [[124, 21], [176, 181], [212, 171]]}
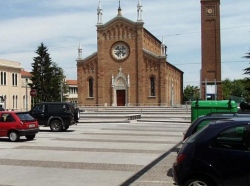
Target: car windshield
{"points": [[25, 117], [193, 137]]}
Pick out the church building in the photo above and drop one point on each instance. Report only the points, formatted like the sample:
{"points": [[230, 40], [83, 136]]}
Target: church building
{"points": [[130, 67]]}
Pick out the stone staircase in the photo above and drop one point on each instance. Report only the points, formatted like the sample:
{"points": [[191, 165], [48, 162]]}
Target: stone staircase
{"points": [[146, 113]]}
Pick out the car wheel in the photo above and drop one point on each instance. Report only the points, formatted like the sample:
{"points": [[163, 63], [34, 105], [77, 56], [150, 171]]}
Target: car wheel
{"points": [[56, 125], [76, 114], [198, 182], [14, 136], [30, 137]]}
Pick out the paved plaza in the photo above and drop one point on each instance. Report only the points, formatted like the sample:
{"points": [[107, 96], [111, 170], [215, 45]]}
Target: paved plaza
{"points": [[93, 154]]}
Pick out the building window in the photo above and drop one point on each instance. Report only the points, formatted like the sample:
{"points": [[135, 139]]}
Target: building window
{"points": [[16, 103], [13, 102], [152, 86], [91, 88], [3, 77], [14, 79]]}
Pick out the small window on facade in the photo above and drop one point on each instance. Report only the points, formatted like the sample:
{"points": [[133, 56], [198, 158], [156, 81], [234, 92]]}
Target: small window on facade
{"points": [[13, 79], [152, 86], [13, 102], [3, 78], [16, 79], [91, 88]]}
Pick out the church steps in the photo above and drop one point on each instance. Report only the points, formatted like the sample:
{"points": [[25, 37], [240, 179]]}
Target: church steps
{"points": [[145, 113]]}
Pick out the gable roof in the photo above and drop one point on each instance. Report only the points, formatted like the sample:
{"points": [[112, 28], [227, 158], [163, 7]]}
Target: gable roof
{"points": [[25, 74], [71, 82]]}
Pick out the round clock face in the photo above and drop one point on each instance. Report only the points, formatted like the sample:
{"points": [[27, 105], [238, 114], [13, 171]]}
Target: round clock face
{"points": [[120, 50], [209, 10]]}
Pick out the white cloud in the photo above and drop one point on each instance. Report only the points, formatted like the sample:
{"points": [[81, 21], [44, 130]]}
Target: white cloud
{"points": [[62, 24]]}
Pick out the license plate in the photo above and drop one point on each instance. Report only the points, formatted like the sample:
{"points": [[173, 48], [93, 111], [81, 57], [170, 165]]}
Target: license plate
{"points": [[31, 125]]}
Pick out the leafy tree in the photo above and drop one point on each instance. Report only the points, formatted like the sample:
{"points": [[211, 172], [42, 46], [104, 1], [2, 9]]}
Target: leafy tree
{"points": [[47, 77], [235, 88], [226, 88], [247, 80], [191, 93]]}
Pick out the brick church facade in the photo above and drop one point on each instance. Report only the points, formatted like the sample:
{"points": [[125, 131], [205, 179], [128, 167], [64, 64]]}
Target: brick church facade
{"points": [[130, 67]]}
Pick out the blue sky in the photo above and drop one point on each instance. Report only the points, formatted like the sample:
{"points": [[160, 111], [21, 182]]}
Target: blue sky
{"points": [[61, 25]]}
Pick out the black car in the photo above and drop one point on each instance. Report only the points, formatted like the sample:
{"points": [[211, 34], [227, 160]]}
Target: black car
{"points": [[204, 120], [57, 115], [216, 155]]}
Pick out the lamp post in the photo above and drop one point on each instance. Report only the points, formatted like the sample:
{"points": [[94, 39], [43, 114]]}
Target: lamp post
{"points": [[42, 64], [61, 84], [26, 100], [61, 91]]}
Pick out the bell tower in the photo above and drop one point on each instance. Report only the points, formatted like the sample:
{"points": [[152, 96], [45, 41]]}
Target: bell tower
{"points": [[211, 88]]}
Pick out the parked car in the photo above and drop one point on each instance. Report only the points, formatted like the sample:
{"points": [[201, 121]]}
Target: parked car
{"points": [[204, 120], [56, 115], [216, 155], [16, 124]]}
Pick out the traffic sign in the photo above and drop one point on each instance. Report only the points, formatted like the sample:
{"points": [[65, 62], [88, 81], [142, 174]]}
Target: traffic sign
{"points": [[33, 92]]}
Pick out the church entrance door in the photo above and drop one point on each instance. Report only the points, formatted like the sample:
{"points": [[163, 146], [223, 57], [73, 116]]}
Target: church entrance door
{"points": [[120, 97]]}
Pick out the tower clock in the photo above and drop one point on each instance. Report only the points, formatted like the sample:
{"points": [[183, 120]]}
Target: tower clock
{"points": [[210, 50]]}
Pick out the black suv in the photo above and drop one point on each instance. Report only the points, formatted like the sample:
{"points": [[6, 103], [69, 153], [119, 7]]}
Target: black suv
{"points": [[201, 121], [57, 115]]}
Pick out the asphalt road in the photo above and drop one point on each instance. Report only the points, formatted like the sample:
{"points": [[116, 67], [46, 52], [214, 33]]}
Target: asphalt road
{"points": [[93, 154]]}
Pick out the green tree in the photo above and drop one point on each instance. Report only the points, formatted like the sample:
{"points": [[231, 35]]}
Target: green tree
{"points": [[226, 88], [191, 93], [233, 88], [247, 80], [47, 77]]}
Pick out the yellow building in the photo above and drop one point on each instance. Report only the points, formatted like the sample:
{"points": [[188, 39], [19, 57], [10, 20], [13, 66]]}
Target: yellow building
{"points": [[13, 87]]}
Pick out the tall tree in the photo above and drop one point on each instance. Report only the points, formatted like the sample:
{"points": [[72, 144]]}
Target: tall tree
{"points": [[191, 93], [47, 77], [226, 88], [247, 70], [247, 80]]}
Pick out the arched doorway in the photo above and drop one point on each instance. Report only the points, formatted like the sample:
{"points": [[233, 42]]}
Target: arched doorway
{"points": [[120, 85]]}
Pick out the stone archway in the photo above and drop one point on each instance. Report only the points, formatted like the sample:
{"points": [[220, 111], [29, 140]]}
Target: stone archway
{"points": [[120, 87]]}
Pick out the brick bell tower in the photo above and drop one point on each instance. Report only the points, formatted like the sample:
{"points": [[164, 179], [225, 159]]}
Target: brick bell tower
{"points": [[211, 88]]}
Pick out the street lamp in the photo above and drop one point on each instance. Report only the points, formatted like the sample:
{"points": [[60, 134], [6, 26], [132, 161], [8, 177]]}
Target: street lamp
{"points": [[61, 83], [26, 100], [42, 64]]}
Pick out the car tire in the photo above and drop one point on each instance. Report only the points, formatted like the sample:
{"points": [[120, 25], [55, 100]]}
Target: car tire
{"points": [[76, 114], [56, 125], [30, 137], [198, 181], [14, 136]]}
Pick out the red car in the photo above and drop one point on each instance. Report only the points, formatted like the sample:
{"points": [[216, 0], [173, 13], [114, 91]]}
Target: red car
{"points": [[16, 124]]}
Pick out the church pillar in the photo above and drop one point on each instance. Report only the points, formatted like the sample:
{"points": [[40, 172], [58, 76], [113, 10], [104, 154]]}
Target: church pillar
{"points": [[113, 96], [128, 91], [128, 96], [141, 94], [162, 82], [113, 92]]}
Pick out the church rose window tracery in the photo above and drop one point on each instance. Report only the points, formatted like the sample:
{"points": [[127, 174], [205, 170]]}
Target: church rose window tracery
{"points": [[120, 51]]}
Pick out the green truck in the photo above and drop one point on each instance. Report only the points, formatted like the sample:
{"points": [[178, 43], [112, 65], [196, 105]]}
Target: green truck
{"points": [[203, 107]]}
